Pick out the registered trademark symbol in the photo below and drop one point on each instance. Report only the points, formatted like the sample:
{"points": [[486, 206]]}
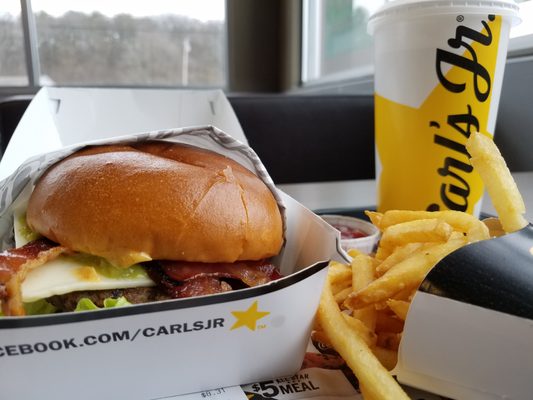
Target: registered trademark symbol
{"points": [[460, 18]]}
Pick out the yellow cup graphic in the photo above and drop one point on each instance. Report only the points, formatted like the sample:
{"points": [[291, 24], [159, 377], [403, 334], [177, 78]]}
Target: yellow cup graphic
{"points": [[438, 76]]}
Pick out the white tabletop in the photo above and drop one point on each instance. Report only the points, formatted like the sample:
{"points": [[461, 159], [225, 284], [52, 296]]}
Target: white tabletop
{"points": [[362, 193]]}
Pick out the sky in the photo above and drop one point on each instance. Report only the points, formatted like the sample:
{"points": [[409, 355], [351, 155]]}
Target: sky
{"points": [[203, 10]]}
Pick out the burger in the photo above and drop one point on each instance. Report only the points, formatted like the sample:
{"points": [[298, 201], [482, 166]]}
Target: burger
{"points": [[146, 221]]}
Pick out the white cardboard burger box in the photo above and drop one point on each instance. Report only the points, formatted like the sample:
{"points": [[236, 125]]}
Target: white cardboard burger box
{"points": [[59, 117], [166, 348]]}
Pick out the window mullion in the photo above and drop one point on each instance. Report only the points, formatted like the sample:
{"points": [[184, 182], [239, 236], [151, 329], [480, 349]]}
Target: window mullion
{"points": [[30, 43]]}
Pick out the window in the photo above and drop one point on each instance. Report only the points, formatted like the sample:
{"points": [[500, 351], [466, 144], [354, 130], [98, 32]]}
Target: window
{"points": [[336, 45], [119, 42], [12, 59], [522, 34], [335, 42]]}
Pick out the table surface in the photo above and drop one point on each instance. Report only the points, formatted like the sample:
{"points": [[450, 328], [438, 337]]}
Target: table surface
{"points": [[362, 193]]}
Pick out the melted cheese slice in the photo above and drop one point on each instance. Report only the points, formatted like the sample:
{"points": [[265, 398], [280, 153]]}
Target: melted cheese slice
{"points": [[64, 275], [67, 274]]}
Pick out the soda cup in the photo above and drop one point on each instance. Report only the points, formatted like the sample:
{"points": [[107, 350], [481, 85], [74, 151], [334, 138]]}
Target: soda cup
{"points": [[438, 74]]}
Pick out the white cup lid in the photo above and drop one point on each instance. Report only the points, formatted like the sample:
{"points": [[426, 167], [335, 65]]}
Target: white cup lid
{"points": [[399, 9]]}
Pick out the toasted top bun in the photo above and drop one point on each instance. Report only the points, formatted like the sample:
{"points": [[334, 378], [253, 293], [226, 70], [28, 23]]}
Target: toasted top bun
{"points": [[156, 200]]}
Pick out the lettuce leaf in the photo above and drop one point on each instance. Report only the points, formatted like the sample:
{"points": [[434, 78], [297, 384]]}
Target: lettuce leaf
{"points": [[86, 304], [39, 307]]}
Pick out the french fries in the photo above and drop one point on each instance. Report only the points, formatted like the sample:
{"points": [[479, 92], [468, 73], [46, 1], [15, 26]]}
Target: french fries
{"points": [[378, 382], [407, 274], [466, 223], [399, 307], [506, 198], [363, 272], [364, 305]]}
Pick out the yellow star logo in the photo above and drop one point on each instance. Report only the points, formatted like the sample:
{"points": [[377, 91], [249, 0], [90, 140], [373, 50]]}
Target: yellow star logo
{"points": [[249, 317]]}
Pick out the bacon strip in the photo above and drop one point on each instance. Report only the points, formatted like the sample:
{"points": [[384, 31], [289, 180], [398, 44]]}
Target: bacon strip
{"points": [[15, 264], [252, 273], [188, 279], [202, 285]]}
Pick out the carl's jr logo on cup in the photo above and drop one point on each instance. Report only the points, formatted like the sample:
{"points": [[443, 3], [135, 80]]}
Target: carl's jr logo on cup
{"points": [[442, 83]]}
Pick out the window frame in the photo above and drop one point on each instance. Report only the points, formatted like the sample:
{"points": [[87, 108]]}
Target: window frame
{"points": [[519, 47], [30, 43]]}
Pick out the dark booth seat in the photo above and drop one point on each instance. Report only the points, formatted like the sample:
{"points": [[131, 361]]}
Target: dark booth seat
{"points": [[11, 110], [299, 138], [310, 138], [315, 138]]}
